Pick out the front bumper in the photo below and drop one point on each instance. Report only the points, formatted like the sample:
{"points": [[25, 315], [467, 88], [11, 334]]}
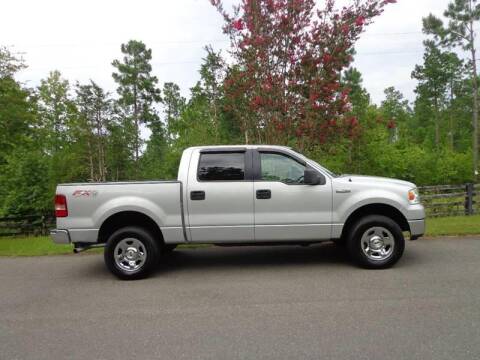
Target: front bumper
{"points": [[417, 228], [60, 236]]}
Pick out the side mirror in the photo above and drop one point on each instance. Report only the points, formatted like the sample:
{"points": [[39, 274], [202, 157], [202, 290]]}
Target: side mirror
{"points": [[312, 177]]}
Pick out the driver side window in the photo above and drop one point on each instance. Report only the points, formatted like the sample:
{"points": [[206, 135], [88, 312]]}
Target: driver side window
{"points": [[277, 167]]}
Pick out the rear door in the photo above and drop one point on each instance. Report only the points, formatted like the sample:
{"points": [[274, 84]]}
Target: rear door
{"points": [[220, 196], [286, 209]]}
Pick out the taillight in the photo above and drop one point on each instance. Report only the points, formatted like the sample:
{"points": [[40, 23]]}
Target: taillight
{"points": [[61, 206]]}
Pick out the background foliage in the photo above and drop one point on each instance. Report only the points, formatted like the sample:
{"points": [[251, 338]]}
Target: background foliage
{"points": [[290, 83]]}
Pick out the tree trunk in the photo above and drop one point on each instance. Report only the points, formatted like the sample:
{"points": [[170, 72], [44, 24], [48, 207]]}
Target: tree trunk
{"points": [[135, 119], [475, 111], [450, 118], [245, 132], [90, 158], [437, 125]]}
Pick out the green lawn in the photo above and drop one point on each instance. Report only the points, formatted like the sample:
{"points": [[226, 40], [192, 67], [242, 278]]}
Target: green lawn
{"points": [[31, 246], [42, 245], [457, 225]]}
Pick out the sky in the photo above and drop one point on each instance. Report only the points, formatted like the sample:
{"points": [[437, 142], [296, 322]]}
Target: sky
{"points": [[81, 38]]}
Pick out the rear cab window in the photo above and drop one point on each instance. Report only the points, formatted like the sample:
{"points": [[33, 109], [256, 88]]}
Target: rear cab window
{"points": [[228, 166]]}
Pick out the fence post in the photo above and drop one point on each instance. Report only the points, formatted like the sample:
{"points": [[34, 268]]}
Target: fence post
{"points": [[44, 226], [469, 199]]}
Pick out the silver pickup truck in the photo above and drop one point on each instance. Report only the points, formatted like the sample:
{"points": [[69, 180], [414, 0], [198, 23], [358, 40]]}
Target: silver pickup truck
{"points": [[239, 195]]}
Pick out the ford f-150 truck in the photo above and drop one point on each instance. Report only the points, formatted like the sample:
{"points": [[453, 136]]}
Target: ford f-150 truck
{"points": [[239, 195]]}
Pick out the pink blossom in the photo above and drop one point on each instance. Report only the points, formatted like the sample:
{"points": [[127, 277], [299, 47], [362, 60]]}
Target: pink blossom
{"points": [[238, 25]]}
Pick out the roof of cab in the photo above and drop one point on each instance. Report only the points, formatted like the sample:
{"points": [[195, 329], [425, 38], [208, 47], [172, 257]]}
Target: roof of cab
{"points": [[238, 146]]}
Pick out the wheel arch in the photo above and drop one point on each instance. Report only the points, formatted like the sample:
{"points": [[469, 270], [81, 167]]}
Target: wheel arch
{"points": [[128, 218], [376, 209]]}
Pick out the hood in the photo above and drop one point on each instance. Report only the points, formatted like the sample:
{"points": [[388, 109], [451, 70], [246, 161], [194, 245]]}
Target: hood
{"points": [[375, 180]]}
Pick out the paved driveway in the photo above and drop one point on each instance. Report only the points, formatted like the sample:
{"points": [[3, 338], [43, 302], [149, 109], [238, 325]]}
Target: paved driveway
{"points": [[246, 303]]}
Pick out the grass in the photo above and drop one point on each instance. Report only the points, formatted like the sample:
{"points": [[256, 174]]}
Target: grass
{"points": [[31, 246], [456, 225], [43, 245]]}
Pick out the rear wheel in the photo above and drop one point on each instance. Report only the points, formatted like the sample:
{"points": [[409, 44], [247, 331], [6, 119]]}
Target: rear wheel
{"points": [[131, 253], [375, 242]]}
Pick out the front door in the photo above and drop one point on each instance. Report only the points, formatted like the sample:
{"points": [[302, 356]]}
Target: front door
{"points": [[220, 196], [286, 209]]}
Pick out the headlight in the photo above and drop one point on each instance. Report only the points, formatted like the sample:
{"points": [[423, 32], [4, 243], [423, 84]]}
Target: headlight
{"points": [[413, 196]]}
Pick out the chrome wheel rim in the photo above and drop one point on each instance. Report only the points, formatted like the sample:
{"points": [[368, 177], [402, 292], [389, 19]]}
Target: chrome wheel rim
{"points": [[377, 243], [130, 254]]}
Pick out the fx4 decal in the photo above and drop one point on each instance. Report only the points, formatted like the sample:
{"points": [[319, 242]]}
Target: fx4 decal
{"points": [[84, 193]]}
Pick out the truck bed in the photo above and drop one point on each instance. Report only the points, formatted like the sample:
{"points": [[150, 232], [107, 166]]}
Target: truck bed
{"points": [[90, 204]]}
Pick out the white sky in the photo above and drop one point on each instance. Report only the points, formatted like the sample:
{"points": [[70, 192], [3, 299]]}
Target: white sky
{"points": [[81, 38]]}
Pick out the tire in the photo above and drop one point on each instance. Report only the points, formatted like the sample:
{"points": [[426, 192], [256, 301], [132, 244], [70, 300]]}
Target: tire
{"points": [[341, 243], [168, 248], [137, 253], [375, 242]]}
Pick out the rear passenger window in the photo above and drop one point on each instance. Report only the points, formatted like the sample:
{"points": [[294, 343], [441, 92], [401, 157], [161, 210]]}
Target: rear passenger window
{"points": [[221, 167]]}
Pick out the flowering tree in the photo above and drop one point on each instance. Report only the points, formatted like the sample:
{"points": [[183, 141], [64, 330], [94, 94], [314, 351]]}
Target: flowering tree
{"points": [[285, 84]]}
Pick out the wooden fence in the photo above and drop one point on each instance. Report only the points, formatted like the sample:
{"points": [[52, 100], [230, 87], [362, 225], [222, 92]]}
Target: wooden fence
{"points": [[439, 200], [451, 200], [26, 225]]}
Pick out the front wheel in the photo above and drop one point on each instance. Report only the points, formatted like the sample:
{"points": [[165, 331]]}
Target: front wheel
{"points": [[375, 242], [131, 253]]}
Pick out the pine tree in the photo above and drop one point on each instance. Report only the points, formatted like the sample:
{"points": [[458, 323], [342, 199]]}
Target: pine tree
{"points": [[173, 104], [395, 110], [9, 63], [463, 17], [137, 89], [435, 78], [212, 73], [56, 110], [95, 114]]}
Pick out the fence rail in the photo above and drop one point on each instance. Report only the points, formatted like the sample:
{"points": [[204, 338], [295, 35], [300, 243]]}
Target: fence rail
{"points": [[26, 225], [450, 200], [439, 200]]}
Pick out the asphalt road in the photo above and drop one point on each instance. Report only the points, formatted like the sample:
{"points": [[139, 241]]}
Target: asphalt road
{"points": [[246, 303]]}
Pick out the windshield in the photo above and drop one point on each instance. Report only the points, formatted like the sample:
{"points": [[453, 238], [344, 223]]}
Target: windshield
{"points": [[315, 164], [331, 173]]}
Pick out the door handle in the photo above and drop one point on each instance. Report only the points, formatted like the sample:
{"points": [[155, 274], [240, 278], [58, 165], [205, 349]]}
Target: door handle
{"points": [[197, 195], [264, 194], [343, 191]]}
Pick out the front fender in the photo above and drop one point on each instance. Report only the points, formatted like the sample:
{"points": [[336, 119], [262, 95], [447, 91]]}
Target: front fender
{"points": [[344, 206]]}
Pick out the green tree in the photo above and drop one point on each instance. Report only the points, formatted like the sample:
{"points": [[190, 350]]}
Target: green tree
{"points": [[357, 94], [137, 89], [16, 114], [173, 104], [119, 154], [25, 185], [9, 63], [435, 80], [19, 187], [16, 105], [396, 111], [56, 110], [57, 133], [212, 73], [95, 115], [463, 16]]}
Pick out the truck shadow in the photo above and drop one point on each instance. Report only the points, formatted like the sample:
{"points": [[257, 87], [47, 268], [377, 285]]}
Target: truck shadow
{"points": [[320, 255], [252, 256], [325, 255]]}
